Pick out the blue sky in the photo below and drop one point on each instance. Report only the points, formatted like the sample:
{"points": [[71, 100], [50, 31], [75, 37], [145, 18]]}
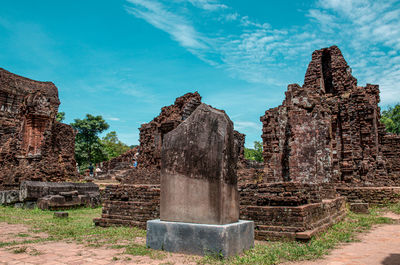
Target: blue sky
{"points": [[125, 59]]}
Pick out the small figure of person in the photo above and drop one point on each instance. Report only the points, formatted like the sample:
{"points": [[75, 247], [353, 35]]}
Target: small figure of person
{"points": [[91, 170], [135, 164]]}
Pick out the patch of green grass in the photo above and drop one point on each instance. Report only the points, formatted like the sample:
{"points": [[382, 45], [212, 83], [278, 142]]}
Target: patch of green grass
{"points": [[23, 235], [140, 250], [394, 208], [79, 227], [277, 252], [30, 241]]}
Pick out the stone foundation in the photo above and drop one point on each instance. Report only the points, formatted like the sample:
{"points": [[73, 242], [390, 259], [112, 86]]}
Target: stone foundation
{"points": [[129, 205], [134, 205], [294, 222], [371, 195]]}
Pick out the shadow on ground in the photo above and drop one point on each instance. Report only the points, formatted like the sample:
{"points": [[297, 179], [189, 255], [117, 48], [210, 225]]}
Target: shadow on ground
{"points": [[392, 259]]}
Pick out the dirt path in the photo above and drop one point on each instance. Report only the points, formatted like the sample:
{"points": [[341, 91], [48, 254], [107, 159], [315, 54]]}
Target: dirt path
{"points": [[380, 246], [69, 253]]}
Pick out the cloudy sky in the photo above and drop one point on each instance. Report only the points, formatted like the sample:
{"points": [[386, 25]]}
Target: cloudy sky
{"points": [[125, 59]]}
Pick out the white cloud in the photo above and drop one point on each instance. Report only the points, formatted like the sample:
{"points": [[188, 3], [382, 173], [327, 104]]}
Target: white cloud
{"points": [[242, 125], [177, 26], [113, 118], [210, 5], [367, 31]]}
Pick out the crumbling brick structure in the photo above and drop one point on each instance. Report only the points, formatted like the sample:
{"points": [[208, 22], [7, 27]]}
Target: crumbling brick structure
{"points": [[118, 167], [147, 174], [391, 151], [328, 130], [326, 138], [33, 145], [151, 136]]}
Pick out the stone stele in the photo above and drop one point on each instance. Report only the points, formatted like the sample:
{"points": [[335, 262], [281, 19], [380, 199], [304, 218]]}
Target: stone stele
{"points": [[198, 170], [199, 208]]}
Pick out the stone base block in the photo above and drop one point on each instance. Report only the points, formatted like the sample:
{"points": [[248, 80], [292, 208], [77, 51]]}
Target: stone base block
{"points": [[359, 207], [61, 214], [200, 239]]}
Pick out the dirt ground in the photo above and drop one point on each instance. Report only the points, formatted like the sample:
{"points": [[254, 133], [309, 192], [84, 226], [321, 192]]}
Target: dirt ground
{"points": [[69, 253], [380, 246]]}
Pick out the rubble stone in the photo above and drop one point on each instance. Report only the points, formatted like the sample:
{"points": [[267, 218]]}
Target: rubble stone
{"points": [[61, 214], [359, 207]]}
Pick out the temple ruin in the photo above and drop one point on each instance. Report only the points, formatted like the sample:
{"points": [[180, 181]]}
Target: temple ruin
{"points": [[33, 145], [329, 131], [137, 199], [324, 145]]}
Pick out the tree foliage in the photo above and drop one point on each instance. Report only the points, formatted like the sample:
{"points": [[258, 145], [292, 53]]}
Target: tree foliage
{"points": [[391, 119], [254, 154], [60, 116], [113, 146], [88, 146]]}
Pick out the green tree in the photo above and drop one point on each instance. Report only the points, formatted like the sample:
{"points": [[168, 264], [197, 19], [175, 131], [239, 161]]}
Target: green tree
{"points": [[254, 154], [88, 146], [113, 146], [391, 119], [60, 116]]}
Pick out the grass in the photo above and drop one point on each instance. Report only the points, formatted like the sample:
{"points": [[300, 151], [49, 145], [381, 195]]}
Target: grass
{"points": [[79, 228], [394, 208], [277, 252]]}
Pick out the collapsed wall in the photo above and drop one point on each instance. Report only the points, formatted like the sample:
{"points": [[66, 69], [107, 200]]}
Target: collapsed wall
{"points": [[118, 167], [33, 145]]}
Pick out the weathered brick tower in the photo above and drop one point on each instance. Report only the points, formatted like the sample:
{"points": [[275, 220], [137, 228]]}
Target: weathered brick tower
{"points": [[33, 145]]}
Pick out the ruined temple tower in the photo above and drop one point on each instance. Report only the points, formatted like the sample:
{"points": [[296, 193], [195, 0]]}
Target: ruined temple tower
{"points": [[33, 145], [328, 130]]}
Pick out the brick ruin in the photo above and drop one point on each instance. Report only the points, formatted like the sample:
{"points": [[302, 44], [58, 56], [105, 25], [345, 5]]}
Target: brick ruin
{"points": [[329, 130], [150, 137], [33, 145], [118, 167], [145, 179], [324, 142]]}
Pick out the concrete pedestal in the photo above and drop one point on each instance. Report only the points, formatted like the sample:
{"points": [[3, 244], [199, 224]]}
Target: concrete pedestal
{"points": [[200, 239]]}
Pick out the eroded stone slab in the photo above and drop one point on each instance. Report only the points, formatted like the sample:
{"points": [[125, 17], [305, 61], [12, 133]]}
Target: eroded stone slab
{"points": [[198, 170]]}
